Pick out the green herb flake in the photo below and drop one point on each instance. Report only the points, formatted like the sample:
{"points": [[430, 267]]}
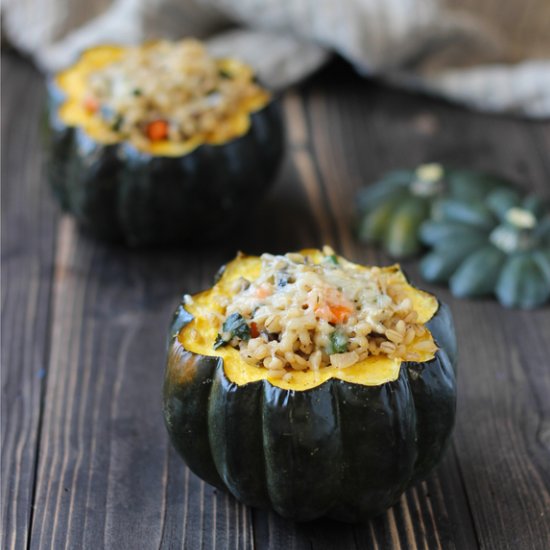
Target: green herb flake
{"points": [[237, 327], [137, 92], [332, 259], [234, 326], [224, 74], [338, 342], [117, 123]]}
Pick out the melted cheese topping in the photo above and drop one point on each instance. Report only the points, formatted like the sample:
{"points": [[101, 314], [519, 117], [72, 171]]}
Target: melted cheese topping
{"points": [[74, 83], [206, 307]]}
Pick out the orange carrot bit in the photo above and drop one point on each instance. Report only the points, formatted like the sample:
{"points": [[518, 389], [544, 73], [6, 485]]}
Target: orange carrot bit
{"points": [[333, 313], [91, 104], [340, 313], [254, 332], [157, 130], [264, 290]]}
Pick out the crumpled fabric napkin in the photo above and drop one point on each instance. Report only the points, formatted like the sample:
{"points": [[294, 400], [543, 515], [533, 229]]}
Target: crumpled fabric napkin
{"points": [[492, 55]]}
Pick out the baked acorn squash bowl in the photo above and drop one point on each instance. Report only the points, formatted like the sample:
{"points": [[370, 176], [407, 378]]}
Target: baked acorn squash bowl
{"points": [[311, 385], [160, 143]]}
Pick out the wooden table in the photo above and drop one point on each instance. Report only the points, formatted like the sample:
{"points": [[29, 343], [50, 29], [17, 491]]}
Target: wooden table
{"points": [[86, 461]]}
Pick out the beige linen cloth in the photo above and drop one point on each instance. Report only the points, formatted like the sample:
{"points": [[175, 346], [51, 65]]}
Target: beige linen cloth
{"points": [[493, 55]]}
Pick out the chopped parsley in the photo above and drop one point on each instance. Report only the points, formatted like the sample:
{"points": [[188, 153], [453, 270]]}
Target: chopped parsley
{"points": [[117, 123], [338, 342], [332, 259], [234, 326]]}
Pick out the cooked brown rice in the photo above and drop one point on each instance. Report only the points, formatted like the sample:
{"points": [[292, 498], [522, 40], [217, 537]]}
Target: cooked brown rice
{"points": [[166, 91], [298, 315]]}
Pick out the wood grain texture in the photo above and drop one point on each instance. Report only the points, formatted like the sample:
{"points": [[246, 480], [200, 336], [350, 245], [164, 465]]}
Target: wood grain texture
{"points": [[28, 230], [86, 460]]}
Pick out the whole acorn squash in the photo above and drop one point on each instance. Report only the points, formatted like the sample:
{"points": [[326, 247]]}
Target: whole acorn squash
{"points": [[168, 192], [392, 209], [500, 246], [343, 443]]}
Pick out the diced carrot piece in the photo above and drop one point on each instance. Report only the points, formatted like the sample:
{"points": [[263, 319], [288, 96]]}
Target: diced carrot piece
{"points": [[254, 332], [91, 104], [340, 313], [333, 313], [157, 130], [263, 291]]}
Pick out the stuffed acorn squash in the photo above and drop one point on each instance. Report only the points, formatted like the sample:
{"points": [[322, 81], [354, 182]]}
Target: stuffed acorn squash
{"points": [[311, 385], [160, 143], [500, 246], [392, 209]]}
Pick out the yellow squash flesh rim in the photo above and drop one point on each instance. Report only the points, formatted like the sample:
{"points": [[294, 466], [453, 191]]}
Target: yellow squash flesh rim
{"points": [[73, 84]]}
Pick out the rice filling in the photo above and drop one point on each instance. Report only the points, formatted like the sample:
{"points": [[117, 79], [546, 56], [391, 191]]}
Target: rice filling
{"points": [[172, 91], [301, 315]]}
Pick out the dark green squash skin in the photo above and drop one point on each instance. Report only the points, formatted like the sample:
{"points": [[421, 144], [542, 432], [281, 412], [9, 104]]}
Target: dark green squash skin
{"points": [[340, 449], [120, 194]]}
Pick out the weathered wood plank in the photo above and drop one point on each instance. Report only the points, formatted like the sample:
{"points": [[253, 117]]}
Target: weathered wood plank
{"points": [[27, 249]]}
